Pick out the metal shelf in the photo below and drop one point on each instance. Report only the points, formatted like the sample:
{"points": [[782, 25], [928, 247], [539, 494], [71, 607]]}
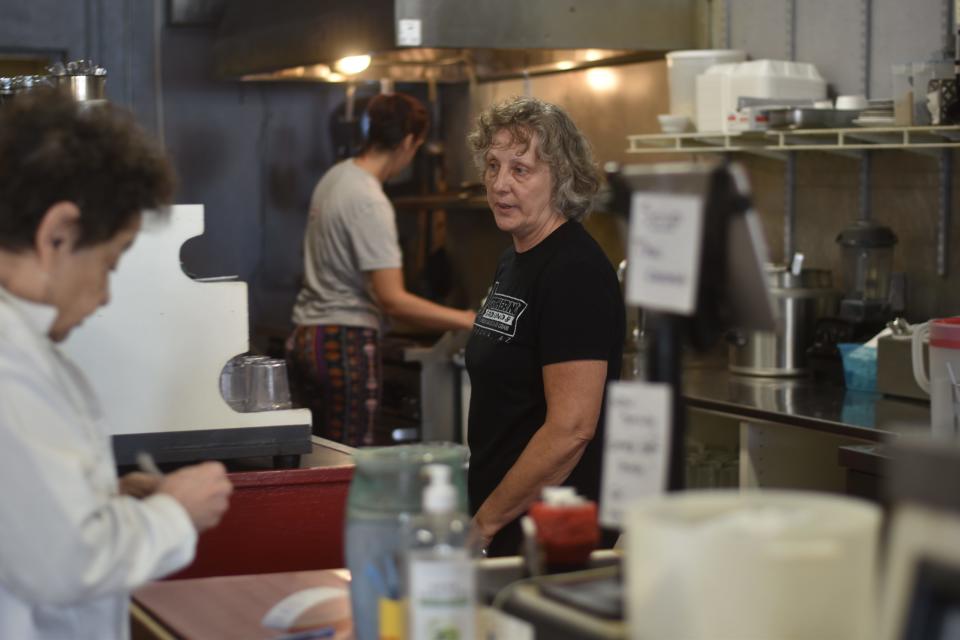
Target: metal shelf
{"points": [[777, 142], [936, 141]]}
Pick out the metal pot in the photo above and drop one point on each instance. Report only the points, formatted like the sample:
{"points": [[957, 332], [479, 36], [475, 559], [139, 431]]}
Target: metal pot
{"points": [[84, 88], [799, 300], [82, 78]]}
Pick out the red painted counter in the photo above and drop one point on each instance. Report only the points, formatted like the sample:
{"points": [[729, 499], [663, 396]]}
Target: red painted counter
{"points": [[283, 520]]}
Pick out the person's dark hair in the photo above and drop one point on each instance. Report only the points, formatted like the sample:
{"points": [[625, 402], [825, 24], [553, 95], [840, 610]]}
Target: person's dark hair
{"points": [[393, 116], [55, 149], [560, 144]]}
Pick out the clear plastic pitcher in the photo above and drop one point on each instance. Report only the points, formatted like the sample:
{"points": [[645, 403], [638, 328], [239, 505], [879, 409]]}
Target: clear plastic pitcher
{"points": [[386, 491]]}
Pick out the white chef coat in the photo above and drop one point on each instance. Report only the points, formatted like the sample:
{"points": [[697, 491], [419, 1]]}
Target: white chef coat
{"points": [[71, 548]]}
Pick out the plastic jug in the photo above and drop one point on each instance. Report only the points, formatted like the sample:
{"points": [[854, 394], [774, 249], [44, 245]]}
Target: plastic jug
{"points": [[944, 336], [386, 491]]}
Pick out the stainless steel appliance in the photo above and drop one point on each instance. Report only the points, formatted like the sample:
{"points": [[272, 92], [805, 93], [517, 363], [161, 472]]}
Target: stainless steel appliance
{"points": [[799, 300], [444, 40]]}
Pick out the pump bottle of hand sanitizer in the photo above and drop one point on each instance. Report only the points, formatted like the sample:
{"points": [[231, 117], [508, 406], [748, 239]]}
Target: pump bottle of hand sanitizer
{"points": [[440, 578]]}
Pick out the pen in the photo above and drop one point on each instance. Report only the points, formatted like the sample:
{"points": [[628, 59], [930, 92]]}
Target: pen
{"points": [[147, 465], [310, 634]]}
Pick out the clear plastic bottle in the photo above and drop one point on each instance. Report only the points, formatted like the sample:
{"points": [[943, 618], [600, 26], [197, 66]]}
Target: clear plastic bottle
{"points": [[440, 581]]}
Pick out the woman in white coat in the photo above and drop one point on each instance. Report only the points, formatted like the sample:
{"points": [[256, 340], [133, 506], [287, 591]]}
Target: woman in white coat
{"points": [[74, 540]]}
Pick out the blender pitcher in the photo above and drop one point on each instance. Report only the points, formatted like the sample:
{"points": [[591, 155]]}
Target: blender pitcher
{"points": [[942, 384], [867, 253]]}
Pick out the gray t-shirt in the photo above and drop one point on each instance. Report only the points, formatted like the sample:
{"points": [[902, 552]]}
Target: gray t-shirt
{"points": [[351, 229]]}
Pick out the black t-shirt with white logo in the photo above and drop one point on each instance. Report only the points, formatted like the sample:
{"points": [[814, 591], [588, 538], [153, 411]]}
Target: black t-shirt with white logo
{"points": [[557, 302]]}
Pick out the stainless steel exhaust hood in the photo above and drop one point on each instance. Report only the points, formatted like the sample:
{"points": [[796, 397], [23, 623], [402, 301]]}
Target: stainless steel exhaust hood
{"points": [[444, 40]]}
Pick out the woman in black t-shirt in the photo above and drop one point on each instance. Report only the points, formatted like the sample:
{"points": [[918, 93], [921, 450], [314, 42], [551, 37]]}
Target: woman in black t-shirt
{"points": [[549, 336]]}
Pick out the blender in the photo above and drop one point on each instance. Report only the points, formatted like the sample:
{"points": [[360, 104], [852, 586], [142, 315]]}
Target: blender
{"points": [[867, 257], [868, 300]]}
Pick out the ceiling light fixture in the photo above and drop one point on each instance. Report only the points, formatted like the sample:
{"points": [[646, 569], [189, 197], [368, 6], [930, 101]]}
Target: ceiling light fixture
{"points": [[352, 65]]}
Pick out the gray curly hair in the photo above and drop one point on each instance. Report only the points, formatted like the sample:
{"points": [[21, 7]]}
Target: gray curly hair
{"points": [[561, 146]]}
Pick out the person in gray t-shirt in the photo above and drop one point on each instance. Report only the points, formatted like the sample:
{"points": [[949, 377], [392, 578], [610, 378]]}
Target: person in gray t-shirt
{"points": [[353, 280]]}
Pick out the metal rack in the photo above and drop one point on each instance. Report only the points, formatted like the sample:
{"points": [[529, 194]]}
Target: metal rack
{"points": [[858, 142], [777, 143]]}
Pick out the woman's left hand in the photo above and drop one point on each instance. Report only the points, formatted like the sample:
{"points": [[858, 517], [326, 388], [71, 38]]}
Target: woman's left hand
{"points": [[139, 484], [479, 539]]}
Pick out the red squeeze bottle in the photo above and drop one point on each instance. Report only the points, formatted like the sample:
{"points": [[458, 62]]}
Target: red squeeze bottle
{"points": [[567, 528]]}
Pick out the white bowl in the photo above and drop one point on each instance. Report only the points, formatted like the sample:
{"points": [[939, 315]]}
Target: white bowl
{"points": [[670, 123], [850, 103]]}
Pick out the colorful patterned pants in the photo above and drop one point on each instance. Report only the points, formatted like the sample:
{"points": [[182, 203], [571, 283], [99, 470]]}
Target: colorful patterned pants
{"points": [[335, 372]]}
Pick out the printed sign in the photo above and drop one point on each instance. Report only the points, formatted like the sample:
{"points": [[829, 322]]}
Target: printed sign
{"points": [[409, 33], [663, 263], [635, 446]]}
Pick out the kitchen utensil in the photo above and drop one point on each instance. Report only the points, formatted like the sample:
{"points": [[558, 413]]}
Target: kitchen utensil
{"points": [[269, 388], [867, 257], [874, 121], [386, 489], [670, 123], [82, 78], [720, 88], [944, 338], [798, 302], [683, 67], [233, 385], [852, 102], [810, 118]]}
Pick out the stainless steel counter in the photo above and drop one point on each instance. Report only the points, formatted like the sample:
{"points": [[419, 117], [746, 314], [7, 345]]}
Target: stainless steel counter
{"points": [[803, 403]]}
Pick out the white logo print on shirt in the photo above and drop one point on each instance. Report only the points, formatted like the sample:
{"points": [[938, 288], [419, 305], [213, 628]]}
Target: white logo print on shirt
{"points": [[501, 313]]}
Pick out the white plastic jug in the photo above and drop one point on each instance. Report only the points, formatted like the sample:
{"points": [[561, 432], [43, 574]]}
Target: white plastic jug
{"points": [[944, 337]]}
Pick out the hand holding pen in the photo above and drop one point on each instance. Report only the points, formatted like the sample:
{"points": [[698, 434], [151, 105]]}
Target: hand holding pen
{"points": [[143, 483], [203, 490]]}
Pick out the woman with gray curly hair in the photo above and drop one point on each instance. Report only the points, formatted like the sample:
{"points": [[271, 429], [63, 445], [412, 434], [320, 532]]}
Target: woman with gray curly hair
{"points": [[549, 335]]}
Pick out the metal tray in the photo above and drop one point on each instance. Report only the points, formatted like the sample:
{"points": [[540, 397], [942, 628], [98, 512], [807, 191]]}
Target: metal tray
{"points": [[808, 118]]}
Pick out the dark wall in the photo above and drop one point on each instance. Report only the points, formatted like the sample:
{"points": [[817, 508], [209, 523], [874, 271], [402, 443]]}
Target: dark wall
{"points": [[117, 34], [251, 154]]}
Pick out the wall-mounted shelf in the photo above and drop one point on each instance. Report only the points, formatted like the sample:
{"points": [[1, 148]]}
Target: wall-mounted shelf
{"points": [[936, 141], [776, 143]]}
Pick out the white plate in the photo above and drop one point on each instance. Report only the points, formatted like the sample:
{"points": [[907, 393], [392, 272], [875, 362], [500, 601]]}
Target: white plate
{"points": [[875, 121]]}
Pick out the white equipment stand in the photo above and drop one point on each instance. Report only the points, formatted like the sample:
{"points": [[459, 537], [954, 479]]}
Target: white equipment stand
{"points": [[155, 353]]}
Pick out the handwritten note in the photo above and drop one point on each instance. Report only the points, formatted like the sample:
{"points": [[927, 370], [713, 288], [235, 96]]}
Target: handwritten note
{"points": [[663, 264], [635, 446]]}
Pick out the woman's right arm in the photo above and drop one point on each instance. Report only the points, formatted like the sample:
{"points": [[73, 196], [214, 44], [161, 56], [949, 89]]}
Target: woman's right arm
{"points": [[397, 302]]}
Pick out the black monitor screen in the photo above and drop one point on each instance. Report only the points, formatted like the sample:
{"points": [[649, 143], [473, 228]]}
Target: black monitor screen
{"points": [[934, 612]]}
